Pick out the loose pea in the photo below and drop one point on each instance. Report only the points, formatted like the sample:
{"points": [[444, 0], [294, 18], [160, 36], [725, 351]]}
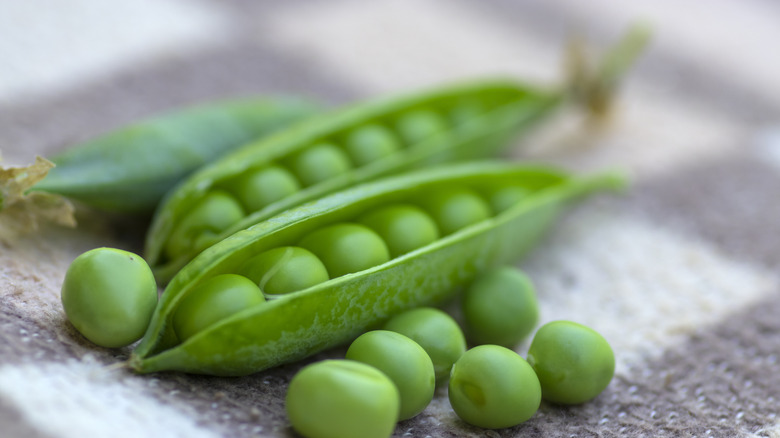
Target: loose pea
{"points": [[403, 361], [456, 208], [436, 332], [403, 227], [370, 143], [319, 163], [284, 270], [261, 187], [500, 307], [216, 299], [109, 295], [574, 362], [342, 399], [420, 125], [505, 197], [215, 212], [493, 387], [347, 247]]}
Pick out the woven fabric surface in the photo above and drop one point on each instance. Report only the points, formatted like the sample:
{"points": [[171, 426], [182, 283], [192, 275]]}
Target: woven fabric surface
{"points": [[680, 273]]}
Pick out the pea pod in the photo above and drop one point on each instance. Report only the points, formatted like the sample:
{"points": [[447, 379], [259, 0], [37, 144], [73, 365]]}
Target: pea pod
{"points": [[296, 324], [353, 145], [129, 170]]}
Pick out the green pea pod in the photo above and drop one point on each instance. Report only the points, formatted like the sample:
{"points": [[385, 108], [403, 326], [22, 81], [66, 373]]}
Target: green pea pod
{"points": [[297, 324], [324, 154], [129, 170]]}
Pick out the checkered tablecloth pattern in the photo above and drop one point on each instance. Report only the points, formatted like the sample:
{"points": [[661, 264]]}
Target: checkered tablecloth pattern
{"points": [[680, 273]]}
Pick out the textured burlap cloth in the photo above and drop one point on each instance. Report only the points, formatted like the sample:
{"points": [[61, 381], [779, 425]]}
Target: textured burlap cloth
{"points": [[680, 273]]}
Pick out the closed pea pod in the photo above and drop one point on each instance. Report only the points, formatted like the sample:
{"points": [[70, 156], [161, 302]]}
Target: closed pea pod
{"points": [[294, 325], [130, 169]]}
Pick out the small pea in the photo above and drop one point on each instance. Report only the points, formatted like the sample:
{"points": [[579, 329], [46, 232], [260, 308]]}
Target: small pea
{"points": [[258, 188], [574, 362], [319, 162], [370, 143], [345, 248], [436, 332], [284, 270], [109, 296], [456, 208], [403, 227], [217, 211], [420, 125], [403, 361], [500, 307], [212, 301], [493, 387], [506, 197], [342, 399]]}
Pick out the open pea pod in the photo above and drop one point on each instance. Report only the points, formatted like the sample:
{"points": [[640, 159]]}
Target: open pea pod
{"points": [[485, 213], [130, 169], [328, 153]]}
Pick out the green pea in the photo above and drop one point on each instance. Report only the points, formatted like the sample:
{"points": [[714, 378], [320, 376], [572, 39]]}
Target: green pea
{"points": [[345, 248], [403, 361], [212, 301], [574, 362], [456, 208], [506, 197], [342, 399], [404, 227], [493, 387], [284, 270], [370, 143], [109, 295], [215, 212], [436, 332], [500, 307], [258, 188], [420, 125], [319, 162]]}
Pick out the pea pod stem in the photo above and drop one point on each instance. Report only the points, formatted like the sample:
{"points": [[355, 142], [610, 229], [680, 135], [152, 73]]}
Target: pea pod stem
{"points": [[299, 324]]}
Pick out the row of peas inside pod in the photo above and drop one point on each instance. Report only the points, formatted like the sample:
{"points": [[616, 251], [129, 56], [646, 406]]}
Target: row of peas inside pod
{"points": [[390, 374], [356, 144]]}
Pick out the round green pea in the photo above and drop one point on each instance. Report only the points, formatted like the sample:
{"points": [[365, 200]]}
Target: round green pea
{"points": [[109, 296], [285, 269], [403, 227], [500, 307], [345, 248], [212, 301], [217, 211], [456, 208], [403, 361], [420, 125], [319, 162], [260, 187], [370, 143], [436, 332], [574, 362], [342, 399], [493, 387], [506, 197]]}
